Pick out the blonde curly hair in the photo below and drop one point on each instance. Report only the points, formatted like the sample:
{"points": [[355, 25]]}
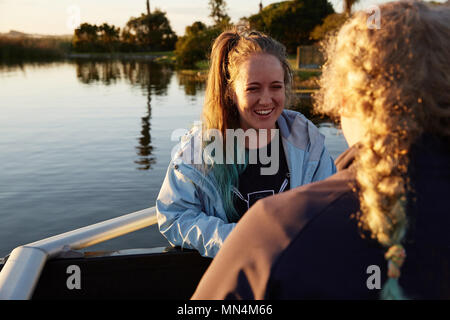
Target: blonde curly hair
{"points": [[396, 81]]}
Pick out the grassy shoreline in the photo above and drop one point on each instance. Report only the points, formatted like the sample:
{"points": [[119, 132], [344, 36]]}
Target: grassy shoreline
{"points": [[32, 49], [157, 56]]}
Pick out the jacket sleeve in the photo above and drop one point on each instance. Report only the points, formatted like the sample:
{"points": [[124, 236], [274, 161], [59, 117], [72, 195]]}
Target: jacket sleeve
{"points": [[182, 218], [325, 168]]}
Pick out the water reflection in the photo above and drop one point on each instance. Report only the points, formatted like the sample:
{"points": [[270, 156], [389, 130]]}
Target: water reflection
{"points": [[8, 68], [152, 78], [193, 82], [145, 148], [106, 72]]}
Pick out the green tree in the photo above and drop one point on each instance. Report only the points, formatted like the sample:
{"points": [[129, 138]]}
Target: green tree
{"points": [[348, 4], [195, 45], [85, 38], [330, 24], [93, 38], [219, 12], [150, 32], [109, 37], [291, 22]]}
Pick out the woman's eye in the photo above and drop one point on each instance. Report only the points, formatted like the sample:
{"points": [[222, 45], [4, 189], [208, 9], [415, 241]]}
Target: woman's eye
{"points": [[252, 89]]}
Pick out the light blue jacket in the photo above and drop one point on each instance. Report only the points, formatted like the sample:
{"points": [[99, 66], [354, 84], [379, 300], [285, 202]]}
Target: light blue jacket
{"points": [[189, 208]]}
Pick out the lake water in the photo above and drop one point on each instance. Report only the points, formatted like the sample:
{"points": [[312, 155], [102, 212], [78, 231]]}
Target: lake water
{"points": [[85, 141]]}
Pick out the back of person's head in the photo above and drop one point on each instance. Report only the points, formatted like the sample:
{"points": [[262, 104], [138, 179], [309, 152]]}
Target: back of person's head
{"points": [[229, 51], [396, 81]]}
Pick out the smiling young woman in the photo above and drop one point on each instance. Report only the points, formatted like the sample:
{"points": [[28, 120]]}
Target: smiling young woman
{"points": [[259, 92], [248, 88]]}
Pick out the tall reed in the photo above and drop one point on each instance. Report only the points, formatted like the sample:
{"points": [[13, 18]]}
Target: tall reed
{"points": [[13, 49]]}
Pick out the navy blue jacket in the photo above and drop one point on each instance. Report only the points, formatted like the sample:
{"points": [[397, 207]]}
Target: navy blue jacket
{"points": [[305, 243]]}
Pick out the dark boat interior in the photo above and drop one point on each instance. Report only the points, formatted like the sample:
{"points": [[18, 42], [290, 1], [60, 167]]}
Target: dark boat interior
{"points": [[158, 273]]}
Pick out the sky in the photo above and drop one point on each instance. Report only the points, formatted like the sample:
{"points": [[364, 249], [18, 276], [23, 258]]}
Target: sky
{"points": [[56, 17]]}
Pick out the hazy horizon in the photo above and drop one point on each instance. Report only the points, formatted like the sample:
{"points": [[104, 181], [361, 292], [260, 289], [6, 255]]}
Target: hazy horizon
{"points": [[48, 17]]}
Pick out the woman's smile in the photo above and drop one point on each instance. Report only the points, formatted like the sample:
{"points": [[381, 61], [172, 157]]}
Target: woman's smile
{"points": [[259, 92], [264, 113]]}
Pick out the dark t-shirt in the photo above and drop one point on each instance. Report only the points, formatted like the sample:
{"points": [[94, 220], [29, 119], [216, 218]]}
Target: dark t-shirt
{"points": [[254, 186]]}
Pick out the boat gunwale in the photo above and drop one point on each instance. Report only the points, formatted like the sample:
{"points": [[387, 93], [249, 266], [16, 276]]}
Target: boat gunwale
{"points": [[23, 267]]}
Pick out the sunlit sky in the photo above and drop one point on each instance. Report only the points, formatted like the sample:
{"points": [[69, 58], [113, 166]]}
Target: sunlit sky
{"points": [[55, 17]]}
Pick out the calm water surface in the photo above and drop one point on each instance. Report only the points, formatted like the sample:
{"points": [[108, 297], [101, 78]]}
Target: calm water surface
{"points": [[82, 142]]}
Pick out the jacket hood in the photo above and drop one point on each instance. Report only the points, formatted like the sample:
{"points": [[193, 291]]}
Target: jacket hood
{"points": [[306, 136]]}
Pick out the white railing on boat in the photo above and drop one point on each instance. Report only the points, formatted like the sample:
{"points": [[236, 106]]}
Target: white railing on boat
{"points": [[23, 268]]}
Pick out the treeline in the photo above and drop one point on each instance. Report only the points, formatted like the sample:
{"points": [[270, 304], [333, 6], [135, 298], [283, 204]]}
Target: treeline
{"points": [[149, 32], [290, 22]]}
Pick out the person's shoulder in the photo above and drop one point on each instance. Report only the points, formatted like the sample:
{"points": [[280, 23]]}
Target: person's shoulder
{"points": [[300, 131], [274, 221], [327, 246], [292, 117], [191, 136], [306, 201], [189, 148], [263, 234]]}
